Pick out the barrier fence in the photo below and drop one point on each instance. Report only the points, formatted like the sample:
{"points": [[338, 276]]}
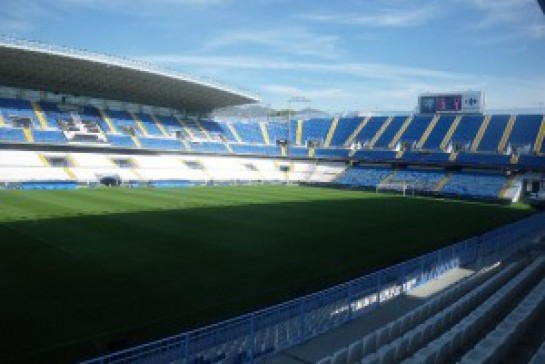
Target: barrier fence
{"points": [[250, 338]]}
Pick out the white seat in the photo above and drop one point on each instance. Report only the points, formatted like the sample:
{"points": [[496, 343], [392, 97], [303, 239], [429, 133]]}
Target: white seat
{"points": [[369, 344], [340, 356], [354, 352], [326, 360]]}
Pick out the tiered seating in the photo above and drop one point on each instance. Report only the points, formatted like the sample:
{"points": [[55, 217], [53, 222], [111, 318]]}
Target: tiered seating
{"points": [[194, 129], [52, 113], [12, 135], [149, 124], [475, 184], [525, 130], [316, 129], [424, 139], [249, 132], [364, 176], [277, 131], [384, 140], [539, 356], [416, 129], [452, 320], [122, 120], [345, 128], [439, 132], [370, 129], [170, 123], [493, 133], [467, 130], [494, 346], [19, 109], [49, 136], [422, 180]]}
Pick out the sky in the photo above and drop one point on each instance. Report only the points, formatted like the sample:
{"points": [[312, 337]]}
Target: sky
{"points": [[343, 55]]}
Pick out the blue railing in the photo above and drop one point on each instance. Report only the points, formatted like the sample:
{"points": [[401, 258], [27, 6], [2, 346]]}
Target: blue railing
{"points": [[251, 337]]}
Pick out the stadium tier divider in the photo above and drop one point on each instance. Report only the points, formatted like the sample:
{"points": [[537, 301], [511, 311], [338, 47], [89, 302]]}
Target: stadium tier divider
{"points": [[254, 336]]}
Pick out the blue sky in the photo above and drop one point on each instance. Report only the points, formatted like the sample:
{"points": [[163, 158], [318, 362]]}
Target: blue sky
{"points": [[343, 55]]}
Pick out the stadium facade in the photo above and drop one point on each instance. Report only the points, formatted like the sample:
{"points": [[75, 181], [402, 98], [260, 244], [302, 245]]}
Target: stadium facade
{"points": [[71, 119]]}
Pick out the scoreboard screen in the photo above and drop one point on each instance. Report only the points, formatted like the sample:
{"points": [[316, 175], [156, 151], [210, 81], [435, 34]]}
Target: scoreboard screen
{"points": [[435, 104], [468, 102]]}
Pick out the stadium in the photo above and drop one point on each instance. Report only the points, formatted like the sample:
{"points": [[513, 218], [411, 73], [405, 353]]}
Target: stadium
{"points": [[138, 227]]}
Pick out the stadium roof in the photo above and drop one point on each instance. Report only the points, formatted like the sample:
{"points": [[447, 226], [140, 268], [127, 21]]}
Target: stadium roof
{"points": [[35, 65]]}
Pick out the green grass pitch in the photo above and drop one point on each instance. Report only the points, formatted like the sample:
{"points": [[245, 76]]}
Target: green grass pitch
{"points": [[87, 270]]}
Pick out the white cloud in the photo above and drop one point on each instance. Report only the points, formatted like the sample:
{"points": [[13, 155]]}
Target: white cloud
{"points": [[285, 40], [385, 18], [520, 18], [363, 70]]}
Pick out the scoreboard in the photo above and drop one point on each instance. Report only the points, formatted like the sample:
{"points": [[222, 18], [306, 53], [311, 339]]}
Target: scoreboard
{"points": [[469, 102]]}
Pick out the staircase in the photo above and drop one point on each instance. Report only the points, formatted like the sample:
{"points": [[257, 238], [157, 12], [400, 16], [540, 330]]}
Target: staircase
{"points": [[136, 141], [284, 150], [159, 125], [264, 133], [507, 133], [228, 147], [234, 132], [203, 130], [452, 157], [43, 159], [39, 114], [69, 173], [139, 124], [137, 173], [539, 139], [443, 182], [2, 122], [399, 154], [28, 135], [331, 132], [299, 134], [186, 145], [311, 152], [508, 185], [356, 131], [400, 132], [186, 128], [450, 133], [107, 120], [380, 132], [427, 132], [480, 134], [514, 158]]}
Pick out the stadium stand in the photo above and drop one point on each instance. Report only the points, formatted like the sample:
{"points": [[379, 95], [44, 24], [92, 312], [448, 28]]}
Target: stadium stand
{"points": [[492, 143]]}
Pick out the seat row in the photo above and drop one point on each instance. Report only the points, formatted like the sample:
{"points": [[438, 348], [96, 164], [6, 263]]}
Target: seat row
{"points": [[464, 332], [374, 341], [442, 326]]}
